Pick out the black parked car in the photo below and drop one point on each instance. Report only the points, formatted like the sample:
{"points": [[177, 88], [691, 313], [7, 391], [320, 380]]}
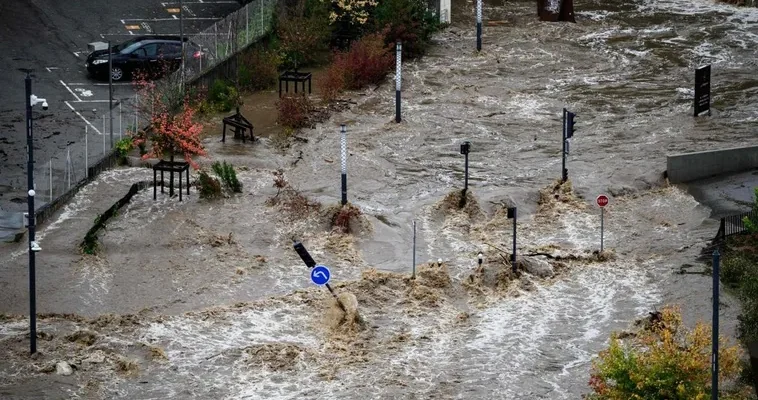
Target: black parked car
{"points": [[153, 55]]}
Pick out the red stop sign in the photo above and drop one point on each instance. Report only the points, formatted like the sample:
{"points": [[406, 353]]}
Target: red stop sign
{"points": [[602, 200]]}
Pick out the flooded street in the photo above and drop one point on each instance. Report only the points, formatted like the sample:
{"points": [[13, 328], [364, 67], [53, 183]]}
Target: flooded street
{"points": [[626, 69]]}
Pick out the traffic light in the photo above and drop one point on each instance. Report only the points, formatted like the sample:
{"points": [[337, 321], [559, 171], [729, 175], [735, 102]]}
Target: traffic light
{"points": [[570, 124]]}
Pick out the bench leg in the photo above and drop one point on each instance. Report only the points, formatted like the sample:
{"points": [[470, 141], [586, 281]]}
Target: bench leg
{"points": [[162, 183], [180, 186], [309, 86], [223, 135], [188, 183], [280, 88], [155, 185]]}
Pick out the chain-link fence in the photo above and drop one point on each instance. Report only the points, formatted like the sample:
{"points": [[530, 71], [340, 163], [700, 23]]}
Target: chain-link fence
{"points": [[226, 37], [57, 178]]}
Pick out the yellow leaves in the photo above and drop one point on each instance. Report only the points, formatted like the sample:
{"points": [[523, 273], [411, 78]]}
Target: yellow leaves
{"points": [[664, 360], [354, 11]]}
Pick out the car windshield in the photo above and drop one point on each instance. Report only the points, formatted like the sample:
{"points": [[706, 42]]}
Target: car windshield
{"points": [[131, 48], [119, 48]]}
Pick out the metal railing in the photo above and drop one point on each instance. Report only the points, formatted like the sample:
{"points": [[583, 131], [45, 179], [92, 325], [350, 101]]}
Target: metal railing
{"points": [[734, 224], [228, 36]]}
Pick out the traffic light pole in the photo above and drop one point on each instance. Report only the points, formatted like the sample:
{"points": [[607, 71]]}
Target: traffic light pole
{"points": [[564, 171]]}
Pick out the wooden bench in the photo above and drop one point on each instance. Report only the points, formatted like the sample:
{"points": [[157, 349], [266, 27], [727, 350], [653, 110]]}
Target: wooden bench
{"points": [[240, 125]]}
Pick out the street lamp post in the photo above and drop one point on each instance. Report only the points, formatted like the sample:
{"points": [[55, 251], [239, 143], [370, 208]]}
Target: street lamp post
{"points": [[31, 100]]}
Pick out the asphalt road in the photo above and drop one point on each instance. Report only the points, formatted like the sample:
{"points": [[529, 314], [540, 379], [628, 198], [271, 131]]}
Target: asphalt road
{"points": [[51, 37]]}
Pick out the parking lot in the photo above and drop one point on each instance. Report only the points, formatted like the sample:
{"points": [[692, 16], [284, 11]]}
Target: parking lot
{"points": [[52, 38]]}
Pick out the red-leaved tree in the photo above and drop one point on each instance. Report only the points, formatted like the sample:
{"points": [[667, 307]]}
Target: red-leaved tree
{"points": [[171, 129]]}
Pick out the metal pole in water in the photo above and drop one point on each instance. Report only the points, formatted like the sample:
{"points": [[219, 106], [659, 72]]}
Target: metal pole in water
{"points": [[513, 257], [564, 173], [478, 25], [413, 276], [602, 213], [343, 143], [398, 77], [715, 329]]}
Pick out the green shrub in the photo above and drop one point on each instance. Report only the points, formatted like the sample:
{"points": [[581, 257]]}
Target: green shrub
{"points": [[209, 187], [223, 96], [259, 69], [228, 175], [124, 146], [735, 269], [751, 224]]}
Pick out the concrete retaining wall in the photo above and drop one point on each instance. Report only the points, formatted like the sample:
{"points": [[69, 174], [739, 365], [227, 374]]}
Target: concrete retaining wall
{"points": [[687, 167]]}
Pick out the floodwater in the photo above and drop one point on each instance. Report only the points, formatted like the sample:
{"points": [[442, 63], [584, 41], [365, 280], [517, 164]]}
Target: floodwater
{"points": [[626, 69]]}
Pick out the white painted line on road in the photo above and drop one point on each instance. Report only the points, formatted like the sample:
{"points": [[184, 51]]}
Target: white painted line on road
{"points": [[175, 17], [171, 3], [82, 117], [98, 84], [122, 22], [50, 69], [91, 101], [147, 27], [76, 53], [188, 11], [132, 33], [171, 19], [70, 91]]}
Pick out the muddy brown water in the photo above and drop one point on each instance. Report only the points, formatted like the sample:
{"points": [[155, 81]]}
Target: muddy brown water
{"points": [[626, 69]]}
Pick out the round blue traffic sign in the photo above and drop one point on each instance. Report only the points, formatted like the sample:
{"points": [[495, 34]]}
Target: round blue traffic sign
{"points": [[320, 275]]}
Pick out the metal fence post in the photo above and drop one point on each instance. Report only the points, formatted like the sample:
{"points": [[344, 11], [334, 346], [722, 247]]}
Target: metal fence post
{"points": [[86, 152], [68, 166], [50, 165]]}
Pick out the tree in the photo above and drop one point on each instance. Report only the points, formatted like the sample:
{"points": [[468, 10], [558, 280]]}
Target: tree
{"points": [[171, 127], [662, 361]]}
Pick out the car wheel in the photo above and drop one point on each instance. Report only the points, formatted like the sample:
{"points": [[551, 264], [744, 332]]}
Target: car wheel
{"points": [[117, 73]]}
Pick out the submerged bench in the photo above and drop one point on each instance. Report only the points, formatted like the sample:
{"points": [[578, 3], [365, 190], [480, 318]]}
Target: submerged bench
{"points": [[240, 125]]}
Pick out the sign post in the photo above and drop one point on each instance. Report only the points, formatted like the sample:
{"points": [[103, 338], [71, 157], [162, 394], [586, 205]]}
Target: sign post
{"points": [[319, 274], [703, 90], [715, 329], [602, 201], [512, 214]]}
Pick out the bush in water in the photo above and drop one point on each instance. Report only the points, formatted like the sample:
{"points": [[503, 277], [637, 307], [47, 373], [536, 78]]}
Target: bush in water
{"points": [[662, 361]]}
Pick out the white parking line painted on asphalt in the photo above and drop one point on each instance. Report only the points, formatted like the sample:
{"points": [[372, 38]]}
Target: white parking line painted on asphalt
{"points": [[173, 3], [171, 19], [90, 101], [50, 69], [98, 84], [76, 53], [188, 11], [70, 91], [82, 117]]}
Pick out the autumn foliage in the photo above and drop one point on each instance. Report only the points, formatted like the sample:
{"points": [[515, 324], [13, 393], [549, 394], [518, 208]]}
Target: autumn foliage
{"points": [[367, 62], [663, 361], [171, 128]]}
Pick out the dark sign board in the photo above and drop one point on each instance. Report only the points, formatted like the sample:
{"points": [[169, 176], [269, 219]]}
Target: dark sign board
{"points": [[556, 10], [702, 90]]}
